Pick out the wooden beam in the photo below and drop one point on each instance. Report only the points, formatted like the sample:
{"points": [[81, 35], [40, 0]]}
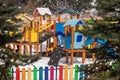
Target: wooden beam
{"points": [[75, 50]]}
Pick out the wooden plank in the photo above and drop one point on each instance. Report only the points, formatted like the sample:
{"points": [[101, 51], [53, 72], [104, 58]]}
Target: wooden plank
{"points": [[29, 74], [23, 74]]}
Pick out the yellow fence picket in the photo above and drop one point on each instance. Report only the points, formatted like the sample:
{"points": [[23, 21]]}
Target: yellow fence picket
{"points": [[29, 74], [66, 73], [71, 72]]}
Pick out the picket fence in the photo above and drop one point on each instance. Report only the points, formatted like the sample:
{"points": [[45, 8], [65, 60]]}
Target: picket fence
{"points": [[49, 73]]}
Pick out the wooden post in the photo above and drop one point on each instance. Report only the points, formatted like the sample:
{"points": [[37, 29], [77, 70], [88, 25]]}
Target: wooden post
{"points": [[14, 47], [26, 50], [46, 48], [58, 17], [41, 47], [49, 41], [71, 16], [50, 18], [20, 47], [93, 54], [29, 40], [72, 47], [37, 44], [78, 16], [41, 18], [67, 54], [55, 38]]}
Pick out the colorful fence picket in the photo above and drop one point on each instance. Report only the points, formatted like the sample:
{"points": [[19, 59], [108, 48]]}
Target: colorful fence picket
{"points": [[48, 73]]}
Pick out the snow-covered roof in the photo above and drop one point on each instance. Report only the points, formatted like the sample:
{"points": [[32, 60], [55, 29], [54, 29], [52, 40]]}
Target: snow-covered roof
{"points": [[73, 22], [43, 11]]}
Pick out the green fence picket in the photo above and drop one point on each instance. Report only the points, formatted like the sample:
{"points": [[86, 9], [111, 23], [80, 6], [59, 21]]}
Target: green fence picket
{"points": [[76, 73], [35, 73], [10, 72]]}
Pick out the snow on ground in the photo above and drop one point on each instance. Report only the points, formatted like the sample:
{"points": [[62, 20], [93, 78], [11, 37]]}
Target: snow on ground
{"points": [[44, 60]]}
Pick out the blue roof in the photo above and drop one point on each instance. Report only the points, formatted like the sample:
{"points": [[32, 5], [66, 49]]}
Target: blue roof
{"points": [[73, 22]]}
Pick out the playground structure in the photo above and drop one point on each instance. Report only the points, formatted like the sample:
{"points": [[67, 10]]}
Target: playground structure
{"points": [[41, 29]]}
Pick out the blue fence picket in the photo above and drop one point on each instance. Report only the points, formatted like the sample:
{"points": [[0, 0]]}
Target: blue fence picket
{"points": [[41, 73], [46, 73]]}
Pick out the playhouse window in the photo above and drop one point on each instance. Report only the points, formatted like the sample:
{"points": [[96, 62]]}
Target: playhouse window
{"points": [[79, 38]]}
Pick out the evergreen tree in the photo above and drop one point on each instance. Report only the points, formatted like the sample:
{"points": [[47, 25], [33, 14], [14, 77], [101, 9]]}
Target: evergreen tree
{"points": [[56, 5], [106, 29], [9, 32]]}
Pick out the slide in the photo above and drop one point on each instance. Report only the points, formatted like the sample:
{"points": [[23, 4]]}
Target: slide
{"points": [[45, 27]]}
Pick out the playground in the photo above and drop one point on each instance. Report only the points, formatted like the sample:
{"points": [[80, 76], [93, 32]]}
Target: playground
{"points": [[41, 30], [59, 41]]}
